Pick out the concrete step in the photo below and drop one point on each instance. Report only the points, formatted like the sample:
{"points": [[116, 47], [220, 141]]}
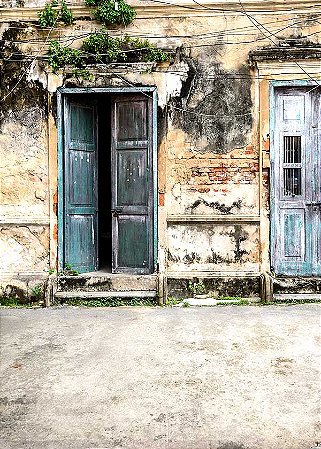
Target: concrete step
{"points": [[186, 284], [293, 297], [105, 298], [211, 302], [296, 285], [105, 294], [106, 282]]}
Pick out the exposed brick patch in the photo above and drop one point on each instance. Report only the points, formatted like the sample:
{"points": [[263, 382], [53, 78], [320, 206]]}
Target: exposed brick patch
{"points": [[241, 172]]}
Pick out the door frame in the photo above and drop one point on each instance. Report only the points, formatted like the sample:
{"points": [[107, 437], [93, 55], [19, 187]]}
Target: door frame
{"points": [[274, 154], [61, 95]]}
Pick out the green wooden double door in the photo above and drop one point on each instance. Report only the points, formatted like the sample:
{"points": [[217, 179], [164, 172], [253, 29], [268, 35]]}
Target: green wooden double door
{"points": [[129, 171]]}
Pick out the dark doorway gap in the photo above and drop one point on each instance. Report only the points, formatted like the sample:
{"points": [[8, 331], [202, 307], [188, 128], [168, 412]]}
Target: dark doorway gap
{"points": [[104, 183]]}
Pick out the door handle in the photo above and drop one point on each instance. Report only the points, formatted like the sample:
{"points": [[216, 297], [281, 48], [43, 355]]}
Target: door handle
{"points": [[116, 211], [316, 205]]}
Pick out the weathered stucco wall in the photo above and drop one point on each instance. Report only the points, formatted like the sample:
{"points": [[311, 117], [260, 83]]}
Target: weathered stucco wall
{"points": [[212, 180], [24, 248], [208, 247], [24, 238]]}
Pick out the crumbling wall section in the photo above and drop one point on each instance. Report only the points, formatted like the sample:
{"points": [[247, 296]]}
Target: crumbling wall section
{"points": [[24, 240], [24, 248], [212, 169], [213, 247]]}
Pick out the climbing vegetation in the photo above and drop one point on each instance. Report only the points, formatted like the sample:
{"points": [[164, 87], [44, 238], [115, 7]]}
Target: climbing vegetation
{"points": [[60, 56], [49, 16], [99, 47]]}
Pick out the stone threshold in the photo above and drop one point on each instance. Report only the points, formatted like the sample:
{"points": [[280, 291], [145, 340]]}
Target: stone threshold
{"points": [[108, 274]]}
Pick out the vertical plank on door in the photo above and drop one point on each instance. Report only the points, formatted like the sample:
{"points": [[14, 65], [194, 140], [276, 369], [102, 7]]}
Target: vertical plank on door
{"points": [[132, 185], [80, 190]]}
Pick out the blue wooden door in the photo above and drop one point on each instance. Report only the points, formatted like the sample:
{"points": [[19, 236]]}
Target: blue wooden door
{"points": [[296, 197], [132, 184], [80, 185]]}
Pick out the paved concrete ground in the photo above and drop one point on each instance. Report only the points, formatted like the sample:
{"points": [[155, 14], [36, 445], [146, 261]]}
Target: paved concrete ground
{"points": [[193, 378]]}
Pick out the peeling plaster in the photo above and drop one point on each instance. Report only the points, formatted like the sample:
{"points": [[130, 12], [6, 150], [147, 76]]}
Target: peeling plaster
{"points": [[54, 82], [213, 247], [36, 73], [218, 104]]}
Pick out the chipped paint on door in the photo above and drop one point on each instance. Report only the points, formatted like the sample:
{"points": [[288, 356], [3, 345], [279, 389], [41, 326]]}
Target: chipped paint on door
{"points": [[132, 184], [80, 186], [132, 180], [296, 183]]}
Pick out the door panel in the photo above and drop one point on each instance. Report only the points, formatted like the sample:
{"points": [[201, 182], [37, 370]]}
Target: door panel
{"points": [[295, 183], [80, 186], [293, 229], [133, 230], [132, 177], [81, 172], [81, 122], [131, 120], [80, 240], [132, 184]]}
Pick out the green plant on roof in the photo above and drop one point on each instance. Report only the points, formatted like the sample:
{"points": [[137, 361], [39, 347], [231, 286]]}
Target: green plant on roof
{"points": [[48, 17], [112, 12], [60, 56], [144, 50], [66, 14], [100, 47]]}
